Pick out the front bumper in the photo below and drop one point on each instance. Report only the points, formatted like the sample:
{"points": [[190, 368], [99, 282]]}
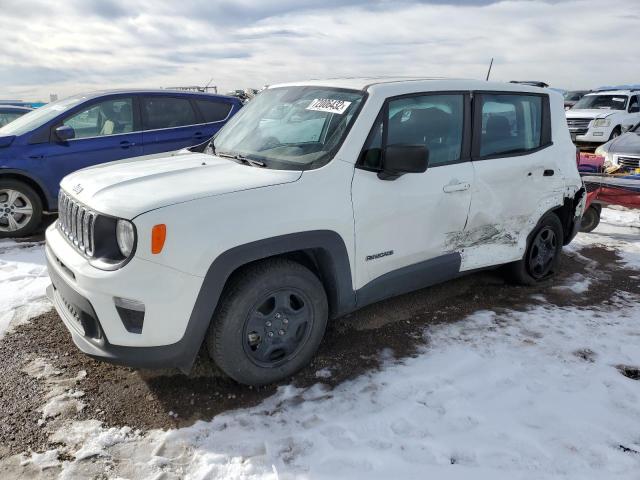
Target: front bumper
{"points": [[84, 298]]}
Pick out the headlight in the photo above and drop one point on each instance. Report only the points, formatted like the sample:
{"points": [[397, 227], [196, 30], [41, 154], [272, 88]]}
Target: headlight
{"points": [[601, 151], [601, 122], [125, 236]]}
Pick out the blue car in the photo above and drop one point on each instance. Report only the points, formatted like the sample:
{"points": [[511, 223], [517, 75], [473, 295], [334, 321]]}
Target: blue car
{"points": [[38, 149], [8, 113]]}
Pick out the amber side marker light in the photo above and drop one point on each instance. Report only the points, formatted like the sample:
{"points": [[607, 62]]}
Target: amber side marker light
{"points": [[158, 236]]}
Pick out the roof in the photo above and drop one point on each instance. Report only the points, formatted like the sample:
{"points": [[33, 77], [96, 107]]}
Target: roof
{"points": [[164, 91], [15, 108], [390, 84], [611, 92]]}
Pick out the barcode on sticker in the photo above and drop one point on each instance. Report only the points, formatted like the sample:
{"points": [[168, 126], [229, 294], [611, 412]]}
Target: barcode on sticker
{"points": [[328, 105]]}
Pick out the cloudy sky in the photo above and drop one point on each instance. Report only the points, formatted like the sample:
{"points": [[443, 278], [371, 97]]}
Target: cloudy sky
{"points": [[78, 45]]}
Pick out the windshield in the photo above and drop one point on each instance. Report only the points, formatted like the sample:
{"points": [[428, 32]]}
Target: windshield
{"points": [[574, 96], [606, 102], [291, 127], [38, 117]]}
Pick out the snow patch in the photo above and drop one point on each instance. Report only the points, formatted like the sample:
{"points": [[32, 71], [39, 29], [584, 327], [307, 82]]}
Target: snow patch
{"points": [[23, 283]]}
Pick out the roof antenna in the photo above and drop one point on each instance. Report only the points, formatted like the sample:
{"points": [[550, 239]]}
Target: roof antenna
{"points": [[489, 72]]}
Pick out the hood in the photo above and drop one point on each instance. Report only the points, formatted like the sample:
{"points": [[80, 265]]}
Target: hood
{"points": [[626, 143], [130, 187], [589, 113]]}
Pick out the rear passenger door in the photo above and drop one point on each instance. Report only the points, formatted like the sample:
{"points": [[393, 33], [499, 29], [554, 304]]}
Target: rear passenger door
{"points": [[402, 225], [515, 176], [169, 123]]}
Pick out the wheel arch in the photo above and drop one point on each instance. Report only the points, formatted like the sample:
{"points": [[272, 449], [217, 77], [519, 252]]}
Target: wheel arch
{"points": [[322, 251], [34, 183]]}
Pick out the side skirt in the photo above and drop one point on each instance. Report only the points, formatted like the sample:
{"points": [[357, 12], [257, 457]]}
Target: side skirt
{"points": [[410, 278]]}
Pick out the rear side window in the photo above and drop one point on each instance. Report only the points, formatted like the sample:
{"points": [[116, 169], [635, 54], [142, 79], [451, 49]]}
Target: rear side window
{"points": [[509, 124], [213, 110], [435, 121], [167, 112]]}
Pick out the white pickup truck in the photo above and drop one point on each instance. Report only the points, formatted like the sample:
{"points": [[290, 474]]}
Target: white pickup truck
{"points": [[316, 199], [601, 116]]}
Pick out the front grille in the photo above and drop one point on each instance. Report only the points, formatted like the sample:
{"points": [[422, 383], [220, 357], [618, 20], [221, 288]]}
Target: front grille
{"points": [[579, 126], [76, 222], [630, 162]]}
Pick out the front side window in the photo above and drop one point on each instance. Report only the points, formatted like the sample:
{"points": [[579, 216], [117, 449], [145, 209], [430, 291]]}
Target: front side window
{"points": [[604, 102], [7, 117], [634, 105], [291, 127], [213, 110], [510, 123], [167, 112], [434, 121], [111, 117]]}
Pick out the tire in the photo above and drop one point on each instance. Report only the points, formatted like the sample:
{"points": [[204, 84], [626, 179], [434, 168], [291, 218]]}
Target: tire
{"points": [[269, 323], [17, 197], [542, 257], [615, 133], [590, 219]]}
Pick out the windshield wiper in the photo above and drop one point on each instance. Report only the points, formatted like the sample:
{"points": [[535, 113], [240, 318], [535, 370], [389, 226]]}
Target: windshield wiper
{"points": [[241, 159]]}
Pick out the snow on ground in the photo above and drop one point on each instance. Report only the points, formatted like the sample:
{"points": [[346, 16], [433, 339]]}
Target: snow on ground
{"points": [[23, 280], [499, 395]]}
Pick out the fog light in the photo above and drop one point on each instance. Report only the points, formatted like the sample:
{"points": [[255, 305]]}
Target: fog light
{"points": [[597, 134], [131, 313]]}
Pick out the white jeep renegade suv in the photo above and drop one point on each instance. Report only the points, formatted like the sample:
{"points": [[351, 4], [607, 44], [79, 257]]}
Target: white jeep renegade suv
{"points": [[316, 199]]}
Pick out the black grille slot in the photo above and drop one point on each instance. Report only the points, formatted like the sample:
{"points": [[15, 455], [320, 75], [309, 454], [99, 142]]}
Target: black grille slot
{"points": [[76, 222]]}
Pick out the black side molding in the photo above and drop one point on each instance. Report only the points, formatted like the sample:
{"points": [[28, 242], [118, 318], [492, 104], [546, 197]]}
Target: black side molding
{"points": [[410, 278]]}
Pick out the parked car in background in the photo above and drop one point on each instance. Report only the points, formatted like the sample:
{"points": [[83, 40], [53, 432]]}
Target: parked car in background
{"points": [[601, 116], [623, 151], [571, 97], [318, 198], [8, 113], [38, 149]]}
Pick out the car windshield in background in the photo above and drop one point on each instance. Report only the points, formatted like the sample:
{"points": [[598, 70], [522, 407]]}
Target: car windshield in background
{"points": [[574, 96], [291, 127], [607, 102], [38, 117]]}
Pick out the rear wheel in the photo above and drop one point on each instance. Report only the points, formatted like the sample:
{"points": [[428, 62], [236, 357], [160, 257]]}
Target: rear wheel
{"points": [[590, 219], [542, 256], [20, 209], [270, 322]]}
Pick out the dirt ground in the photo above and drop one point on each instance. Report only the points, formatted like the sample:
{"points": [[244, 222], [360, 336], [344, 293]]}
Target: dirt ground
{"points": [[353, 345]]}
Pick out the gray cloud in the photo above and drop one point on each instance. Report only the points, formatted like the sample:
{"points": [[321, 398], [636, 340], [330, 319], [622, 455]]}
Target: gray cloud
{"points": [[108, 44]]}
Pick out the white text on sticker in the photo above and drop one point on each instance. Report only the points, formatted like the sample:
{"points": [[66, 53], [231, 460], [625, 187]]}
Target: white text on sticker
{"points": [[329, 105]]}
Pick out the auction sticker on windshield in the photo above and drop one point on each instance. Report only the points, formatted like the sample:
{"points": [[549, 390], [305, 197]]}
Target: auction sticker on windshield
{"points": [[328, 105]]}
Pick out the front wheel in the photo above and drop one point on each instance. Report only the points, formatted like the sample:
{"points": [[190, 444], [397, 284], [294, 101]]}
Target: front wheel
{"points": [[542, 256], [615, 133], [20, 209], [270, 322]]}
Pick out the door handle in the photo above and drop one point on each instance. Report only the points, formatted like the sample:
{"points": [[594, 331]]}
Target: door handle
{"points": [[548, 173], [126, 144], [36, 157], [456, 187], [198, 135]]}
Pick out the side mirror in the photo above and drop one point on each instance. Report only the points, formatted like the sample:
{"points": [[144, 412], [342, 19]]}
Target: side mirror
{"points": [[65, 132], [401, 159]]}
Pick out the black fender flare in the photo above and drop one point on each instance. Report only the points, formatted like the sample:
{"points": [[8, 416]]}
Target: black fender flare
{"points": [[331, 257]]}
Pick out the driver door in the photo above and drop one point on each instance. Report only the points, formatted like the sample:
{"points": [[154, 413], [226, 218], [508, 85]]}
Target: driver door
{"points": [[104, 131]]}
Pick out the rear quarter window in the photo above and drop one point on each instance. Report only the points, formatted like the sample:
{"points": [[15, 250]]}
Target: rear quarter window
{"points": [[167, 112], [213, 110]]}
